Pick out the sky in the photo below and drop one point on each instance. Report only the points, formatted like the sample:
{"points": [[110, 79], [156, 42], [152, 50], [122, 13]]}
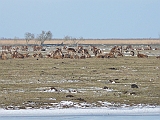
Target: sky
{"points": [[81, 18]]}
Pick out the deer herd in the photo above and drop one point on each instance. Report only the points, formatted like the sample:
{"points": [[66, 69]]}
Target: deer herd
{"points": [[79, 52]]}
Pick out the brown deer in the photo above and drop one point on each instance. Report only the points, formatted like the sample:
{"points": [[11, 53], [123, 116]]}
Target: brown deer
{"points": [[67, 55], [84, 52], [148, 47], [37, 55], [120, 54], [37, 48], [132, 53], [158, 57], [100, 56], [3, 56], [71, 51], [109, 55], [24, 48], [141, 55], [58, 54], [26, 55], [82, 57], [74, 56], [16, 54], [96, 51]]}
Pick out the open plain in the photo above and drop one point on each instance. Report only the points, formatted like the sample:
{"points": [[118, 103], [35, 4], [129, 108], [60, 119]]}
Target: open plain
{"points": [[34, 83], [83, 41]]}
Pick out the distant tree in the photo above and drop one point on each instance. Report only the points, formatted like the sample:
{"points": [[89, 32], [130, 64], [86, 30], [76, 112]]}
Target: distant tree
{"points": [[67, 37], [28, 37], [15, 39], [76, 41], [41, 38], [73, 40]]}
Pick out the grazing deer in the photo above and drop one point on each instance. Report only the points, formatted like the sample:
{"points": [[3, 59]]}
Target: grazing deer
{"points": [[141, 55]]}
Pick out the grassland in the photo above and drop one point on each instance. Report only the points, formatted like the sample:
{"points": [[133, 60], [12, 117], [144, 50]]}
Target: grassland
{"points": [[44, 82], [86, 41]]}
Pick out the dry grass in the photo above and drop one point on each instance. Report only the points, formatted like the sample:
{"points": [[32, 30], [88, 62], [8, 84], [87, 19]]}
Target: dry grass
{"points": [[87, 41], [23, 81]]}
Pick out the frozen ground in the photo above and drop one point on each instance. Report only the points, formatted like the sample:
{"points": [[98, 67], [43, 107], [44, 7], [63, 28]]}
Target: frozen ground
{"points": [[146, 111]]}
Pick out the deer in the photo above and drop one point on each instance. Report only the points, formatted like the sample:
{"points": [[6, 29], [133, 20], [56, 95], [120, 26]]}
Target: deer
{"points": [[96, 51], [158, 57], [58, 54], [84, 52], [132, 53], [141, 55], [37, 48], [109, 55], [70, 51], [3, 56]]}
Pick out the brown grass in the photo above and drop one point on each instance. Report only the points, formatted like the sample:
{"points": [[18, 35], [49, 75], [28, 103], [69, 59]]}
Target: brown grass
{"points": [[87, 41], [25, 81]]}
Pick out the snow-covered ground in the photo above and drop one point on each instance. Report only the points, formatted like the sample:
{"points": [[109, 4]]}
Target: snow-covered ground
{"points": [[147, 110]]}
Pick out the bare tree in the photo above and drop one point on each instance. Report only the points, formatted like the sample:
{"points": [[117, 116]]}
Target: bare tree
{"points": [[15, 39], [73, 40], [76, 41], [44, 36], [28, 37], [67, 37]]}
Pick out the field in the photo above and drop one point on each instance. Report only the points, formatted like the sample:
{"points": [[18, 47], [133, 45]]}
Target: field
{"points": [[32, 83], [86, 41]]}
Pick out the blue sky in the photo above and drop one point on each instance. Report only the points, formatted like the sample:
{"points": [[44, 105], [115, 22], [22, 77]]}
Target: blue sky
{"points": [[81, 18]]}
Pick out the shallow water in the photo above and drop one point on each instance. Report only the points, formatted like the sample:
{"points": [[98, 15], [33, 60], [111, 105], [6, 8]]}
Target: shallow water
{"points": [[88, 117]]}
